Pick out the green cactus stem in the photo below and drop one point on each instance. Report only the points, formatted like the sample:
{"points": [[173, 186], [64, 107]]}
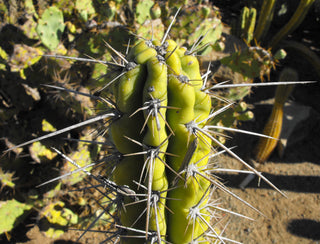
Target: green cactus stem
{"points": [[305, 52], [265, 19], [273, 126], [161, 105], [165, 139], [293, 23], [248, 21]]}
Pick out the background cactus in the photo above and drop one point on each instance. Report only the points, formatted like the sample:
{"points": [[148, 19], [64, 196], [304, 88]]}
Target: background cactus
{"points": [[14, 212], [273, 126], [267, 59], [198, 28], [248, 21], [50, 27]]}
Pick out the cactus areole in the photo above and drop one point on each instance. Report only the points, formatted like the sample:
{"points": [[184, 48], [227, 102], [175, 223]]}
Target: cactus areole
{"points": [[159, 96]]}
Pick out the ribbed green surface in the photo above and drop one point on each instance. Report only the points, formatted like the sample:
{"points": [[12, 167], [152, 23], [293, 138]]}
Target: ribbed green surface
{"points": [[159, 98]]}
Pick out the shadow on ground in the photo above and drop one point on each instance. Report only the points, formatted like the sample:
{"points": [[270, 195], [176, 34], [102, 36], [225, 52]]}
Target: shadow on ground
{"points": [[305, 228]]}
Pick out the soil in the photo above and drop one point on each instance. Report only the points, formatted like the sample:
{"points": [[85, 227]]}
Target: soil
{"points": [[291, 219]]}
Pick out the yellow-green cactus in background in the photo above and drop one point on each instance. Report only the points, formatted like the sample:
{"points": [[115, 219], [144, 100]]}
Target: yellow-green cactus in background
{"points": [[273, 126], [11, 210], [248, 17], [57, 215], [50, 27]]}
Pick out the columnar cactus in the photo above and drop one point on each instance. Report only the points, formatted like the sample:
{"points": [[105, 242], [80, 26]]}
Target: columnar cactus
{"points": [[160, 126], [161, 104]]}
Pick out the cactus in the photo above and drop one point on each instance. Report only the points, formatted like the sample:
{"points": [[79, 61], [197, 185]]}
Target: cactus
{"points": [[166, 84], [85, 9], [293, 23], [265, 19], [11, 210], [248, 20], [50, 27], [143, 10], [273, 126], [199, 28], [24, 57], [252, 62], [6, 179], [82, 157], [56, 217]]}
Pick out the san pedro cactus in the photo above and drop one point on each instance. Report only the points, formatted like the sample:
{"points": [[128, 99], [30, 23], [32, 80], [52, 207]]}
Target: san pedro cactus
{"points": [[160, 126], [160, 105]]}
